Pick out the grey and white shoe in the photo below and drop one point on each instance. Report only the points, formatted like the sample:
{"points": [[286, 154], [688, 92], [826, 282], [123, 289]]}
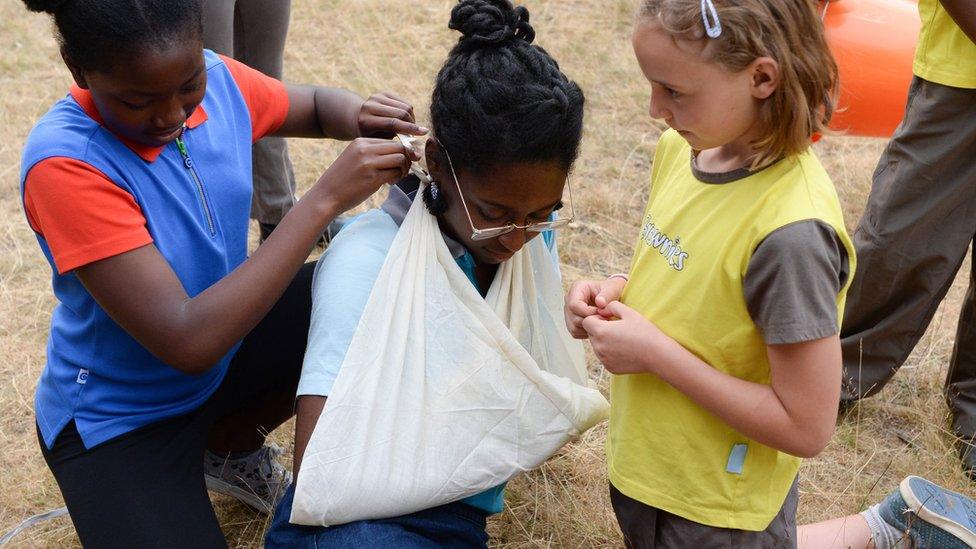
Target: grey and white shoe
{"points": [[256, 479], [930, 515]]}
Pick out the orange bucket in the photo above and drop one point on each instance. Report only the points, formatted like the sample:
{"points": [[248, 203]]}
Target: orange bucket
{"points": [[874, 44]]}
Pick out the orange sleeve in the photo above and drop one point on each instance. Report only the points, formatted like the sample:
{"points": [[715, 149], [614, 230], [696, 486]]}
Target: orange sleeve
{"points": [[266, 97], [81, 214]]}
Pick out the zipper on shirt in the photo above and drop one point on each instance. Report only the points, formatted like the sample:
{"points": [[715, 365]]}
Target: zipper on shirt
{"points": [[188, 162]]}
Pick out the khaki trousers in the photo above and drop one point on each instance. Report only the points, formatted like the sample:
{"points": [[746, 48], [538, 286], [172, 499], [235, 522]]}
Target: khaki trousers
{"points": [[253, 32], [915, 232]]}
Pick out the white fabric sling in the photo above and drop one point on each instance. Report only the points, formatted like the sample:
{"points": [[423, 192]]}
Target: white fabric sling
{"points": [[443, 394]]}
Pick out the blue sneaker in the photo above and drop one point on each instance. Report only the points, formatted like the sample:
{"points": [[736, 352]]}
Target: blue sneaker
{"points": [[931, 515]]}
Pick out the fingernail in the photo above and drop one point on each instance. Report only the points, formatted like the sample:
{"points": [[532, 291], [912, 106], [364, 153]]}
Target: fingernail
{"points": [[423, 129]]}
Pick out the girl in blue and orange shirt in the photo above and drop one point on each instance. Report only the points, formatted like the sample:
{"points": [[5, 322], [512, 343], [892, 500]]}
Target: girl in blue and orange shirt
{"points": [[168, 343]]}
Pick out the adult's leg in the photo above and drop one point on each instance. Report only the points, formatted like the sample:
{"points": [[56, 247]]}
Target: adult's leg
{"points": [[218, 26], [141, 489], [960, 388], [260, 30], [913, 235]]}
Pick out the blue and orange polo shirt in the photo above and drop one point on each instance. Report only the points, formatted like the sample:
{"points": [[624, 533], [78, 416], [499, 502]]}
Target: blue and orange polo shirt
{"points": [[90, 195]]}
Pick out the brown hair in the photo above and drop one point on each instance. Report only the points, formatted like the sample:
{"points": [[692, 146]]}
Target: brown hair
{"points": [[788, 31]]}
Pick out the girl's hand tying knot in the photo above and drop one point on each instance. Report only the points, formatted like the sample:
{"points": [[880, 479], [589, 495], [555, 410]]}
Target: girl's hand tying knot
{"points": [[386, 114]]}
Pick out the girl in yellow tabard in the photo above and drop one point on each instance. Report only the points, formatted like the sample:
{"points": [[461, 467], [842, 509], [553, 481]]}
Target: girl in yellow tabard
{"points": [[724, 340]]}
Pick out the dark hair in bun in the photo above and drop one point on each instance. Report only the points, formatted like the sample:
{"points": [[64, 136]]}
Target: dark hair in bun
{"points": [[484, 22], [94, 33], [499, 98], [45, 6]]}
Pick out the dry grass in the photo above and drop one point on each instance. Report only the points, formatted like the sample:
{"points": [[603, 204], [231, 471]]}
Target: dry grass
{"points": [[368, 45]]}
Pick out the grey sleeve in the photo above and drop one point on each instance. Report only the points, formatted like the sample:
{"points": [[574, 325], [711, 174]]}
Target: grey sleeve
{"points": [[792, 282]]}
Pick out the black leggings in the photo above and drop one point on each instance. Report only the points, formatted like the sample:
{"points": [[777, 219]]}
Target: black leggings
{"points": [[146, 488]]}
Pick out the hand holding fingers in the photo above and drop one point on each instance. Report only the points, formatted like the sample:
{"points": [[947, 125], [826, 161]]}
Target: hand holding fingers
{"points": [[610, 290], [599, 333], [609, 344], [581, 295], [616, 309], [577, 307], [574, 324], [594, 326], [627, 345], [581, 308]]}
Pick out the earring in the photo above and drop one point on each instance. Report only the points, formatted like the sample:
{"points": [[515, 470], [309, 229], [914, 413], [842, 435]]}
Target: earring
{"points": [[436, 205]]}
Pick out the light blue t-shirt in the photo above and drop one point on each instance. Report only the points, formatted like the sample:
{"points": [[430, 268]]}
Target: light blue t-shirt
{"points": [[343, 280]]}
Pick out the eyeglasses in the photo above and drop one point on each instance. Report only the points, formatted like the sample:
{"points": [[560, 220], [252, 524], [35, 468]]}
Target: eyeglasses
{"points": [[493, 232]]}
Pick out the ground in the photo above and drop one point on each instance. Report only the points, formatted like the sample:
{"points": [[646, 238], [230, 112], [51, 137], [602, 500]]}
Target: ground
{"points": [[371, 45]]}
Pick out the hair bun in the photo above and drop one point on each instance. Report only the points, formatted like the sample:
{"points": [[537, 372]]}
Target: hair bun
{"points": [[45, 6], [491, 22]]}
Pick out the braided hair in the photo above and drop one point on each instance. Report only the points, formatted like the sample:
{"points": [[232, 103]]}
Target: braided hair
{"points": [[499, 98], [93, 33]]}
